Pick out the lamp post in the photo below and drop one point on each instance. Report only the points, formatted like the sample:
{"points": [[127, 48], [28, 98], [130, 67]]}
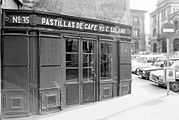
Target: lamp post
{"points": [[167, 32]]}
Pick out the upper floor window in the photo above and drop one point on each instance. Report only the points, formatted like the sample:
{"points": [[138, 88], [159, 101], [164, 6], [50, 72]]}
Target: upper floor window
{"points": [[136, 32], [154, 32], [163, 14], [135, 19], [154, 19], [175, 9]]}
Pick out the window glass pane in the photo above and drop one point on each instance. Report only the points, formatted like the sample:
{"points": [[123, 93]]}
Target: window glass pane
{"points": [[72, 75], [88, 60], [71, 60], [88, 47], [135, 19], [106, 61], [88, 74], [71, 45]]}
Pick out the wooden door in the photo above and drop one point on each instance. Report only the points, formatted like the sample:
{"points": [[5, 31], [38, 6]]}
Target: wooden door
{"points": [[80, 70], [15, 75]]}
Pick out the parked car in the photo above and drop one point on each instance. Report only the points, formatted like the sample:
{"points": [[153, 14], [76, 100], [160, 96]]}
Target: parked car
{"points": [[158, 65], [136, 65], [144, 61], [157, 77], [144, 72]]}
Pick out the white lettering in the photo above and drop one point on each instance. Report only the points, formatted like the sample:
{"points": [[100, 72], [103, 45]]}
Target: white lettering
{"points": [[47, 22], [81, 25], [27, 20], [107, 29], [69, 24], [95, 27], [51, 21], [55, 22], [73, 24], [14, 19], [77, 25], [60, 23], [86, 26], [64, 24], [101, 28], [168, 30]]}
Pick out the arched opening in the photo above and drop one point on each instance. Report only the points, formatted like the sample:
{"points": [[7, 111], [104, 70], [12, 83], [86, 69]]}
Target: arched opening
{"points": [[155, 47], [176, 45], [164, 46]]}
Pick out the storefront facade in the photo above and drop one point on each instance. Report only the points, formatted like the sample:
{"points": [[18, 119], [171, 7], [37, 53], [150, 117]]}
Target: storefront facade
{"points": [[52, 61]]}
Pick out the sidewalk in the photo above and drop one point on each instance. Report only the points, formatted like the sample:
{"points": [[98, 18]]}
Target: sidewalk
{"points": [[140, 105]]}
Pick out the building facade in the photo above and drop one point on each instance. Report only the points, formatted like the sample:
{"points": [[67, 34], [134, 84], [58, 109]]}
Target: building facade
{"points": [[6, 4], [138, 35], [147, 43], [109, 10], [166, 11], [51, 61]]}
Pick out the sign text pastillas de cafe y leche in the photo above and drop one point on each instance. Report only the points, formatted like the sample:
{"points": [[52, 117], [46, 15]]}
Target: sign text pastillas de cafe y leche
{"points": [[65, 23]]}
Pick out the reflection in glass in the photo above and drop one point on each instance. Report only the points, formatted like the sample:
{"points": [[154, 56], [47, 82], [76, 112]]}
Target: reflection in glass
{"points": [[106, 61], [88, 74], [88, 60], [71, 60], [88, 47], [72, 75], [71, 45]]}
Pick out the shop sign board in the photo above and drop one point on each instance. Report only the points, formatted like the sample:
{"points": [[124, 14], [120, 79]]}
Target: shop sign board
{"points": [[64, 22], [168, 30], [170, 74]]}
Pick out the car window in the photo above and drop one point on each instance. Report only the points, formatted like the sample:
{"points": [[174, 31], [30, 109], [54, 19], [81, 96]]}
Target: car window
{"points": [[177, 68], [176, 65]]}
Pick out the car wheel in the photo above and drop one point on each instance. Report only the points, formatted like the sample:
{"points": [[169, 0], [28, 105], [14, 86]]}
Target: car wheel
{"points": [[174, 86]]}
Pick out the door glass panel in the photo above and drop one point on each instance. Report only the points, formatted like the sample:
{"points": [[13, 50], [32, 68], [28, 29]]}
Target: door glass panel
{"points": [[105, 61], [72, 75], [88, 60], [88, 47], [71, 45], [88, 74], [72, 59]]}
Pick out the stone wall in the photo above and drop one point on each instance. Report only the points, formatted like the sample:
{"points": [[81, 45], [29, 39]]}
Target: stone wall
{"points": [[108, 10]]}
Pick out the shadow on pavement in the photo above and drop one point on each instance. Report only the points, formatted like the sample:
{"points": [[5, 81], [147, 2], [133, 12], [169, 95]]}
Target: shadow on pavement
{"points": [[147, 103]]}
